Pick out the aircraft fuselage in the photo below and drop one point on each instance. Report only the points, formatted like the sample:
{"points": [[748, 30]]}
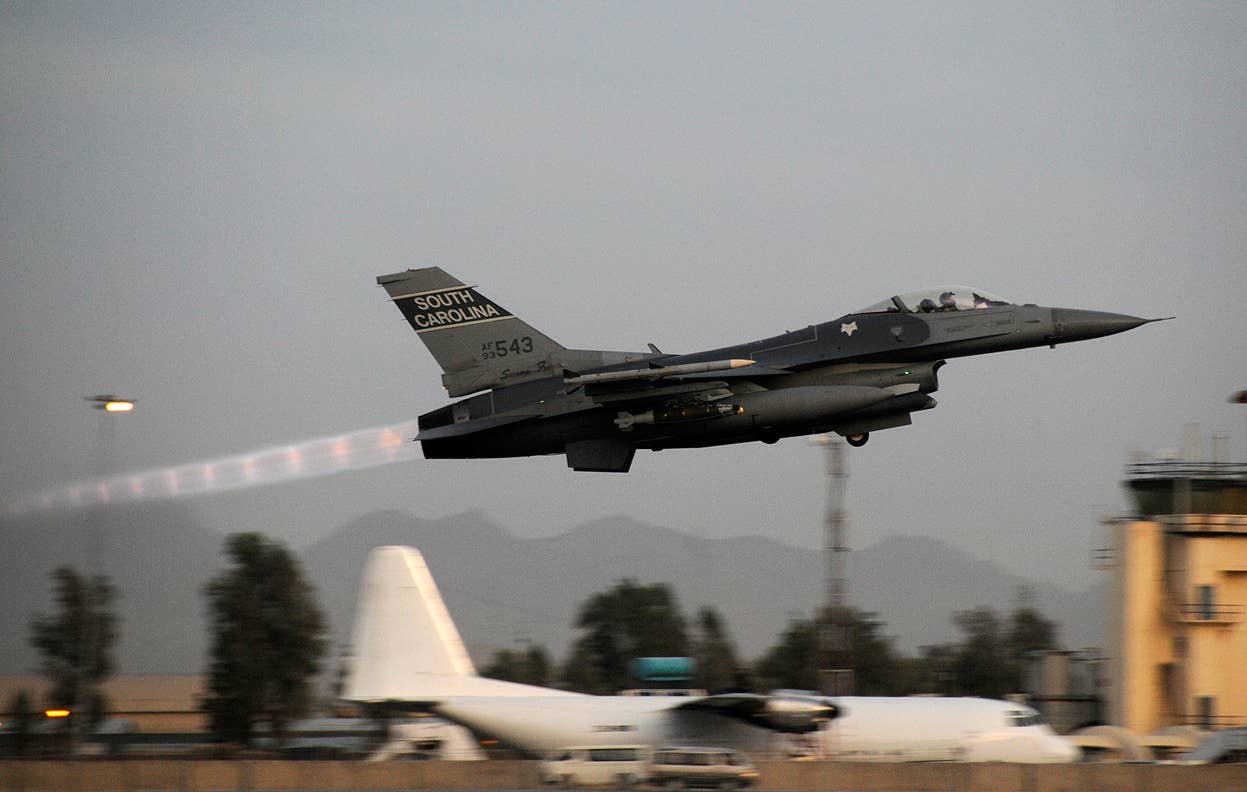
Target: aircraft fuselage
{"points": [[823, 378]]}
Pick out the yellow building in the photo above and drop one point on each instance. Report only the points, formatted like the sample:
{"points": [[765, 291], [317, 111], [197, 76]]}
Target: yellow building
{"points": [[1176, 634], [153, 703]]}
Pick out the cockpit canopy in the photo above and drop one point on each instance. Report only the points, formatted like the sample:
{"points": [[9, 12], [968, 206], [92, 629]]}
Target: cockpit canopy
{"points": [[937, 299], [1024, 717]]}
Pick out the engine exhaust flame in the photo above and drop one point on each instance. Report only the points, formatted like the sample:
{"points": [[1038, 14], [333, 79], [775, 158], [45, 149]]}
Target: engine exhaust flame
{"points": [[322, 456]]}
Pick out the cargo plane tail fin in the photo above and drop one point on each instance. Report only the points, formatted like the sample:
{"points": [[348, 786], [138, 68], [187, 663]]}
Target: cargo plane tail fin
{"points": [[405, 647]]}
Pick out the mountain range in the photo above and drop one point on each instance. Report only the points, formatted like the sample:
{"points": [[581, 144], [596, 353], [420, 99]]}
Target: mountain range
{"points": [[501, 589]]}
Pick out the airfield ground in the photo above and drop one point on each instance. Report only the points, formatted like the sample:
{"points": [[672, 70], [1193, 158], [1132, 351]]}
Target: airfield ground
{"points": [[318, 776]]}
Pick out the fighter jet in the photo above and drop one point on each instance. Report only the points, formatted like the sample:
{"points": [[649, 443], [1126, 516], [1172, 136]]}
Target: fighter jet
{"points": [[863, 372]]}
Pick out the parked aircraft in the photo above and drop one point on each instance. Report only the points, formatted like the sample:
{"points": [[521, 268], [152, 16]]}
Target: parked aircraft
{"points": [[407, 654], [864, 372]]}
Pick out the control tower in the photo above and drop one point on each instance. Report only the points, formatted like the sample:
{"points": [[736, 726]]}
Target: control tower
{"points": [[1176, 634]]}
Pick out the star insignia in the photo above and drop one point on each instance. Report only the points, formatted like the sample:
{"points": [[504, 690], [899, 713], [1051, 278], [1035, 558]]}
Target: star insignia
{"points": [[849, 329]]}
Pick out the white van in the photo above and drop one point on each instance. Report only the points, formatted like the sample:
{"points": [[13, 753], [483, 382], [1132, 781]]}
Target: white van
{"points": [[618, 765], [718, 768]]}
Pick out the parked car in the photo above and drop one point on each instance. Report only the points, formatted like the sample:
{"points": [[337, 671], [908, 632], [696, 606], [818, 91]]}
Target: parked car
{"points": [[617, 765], [718, 768]]}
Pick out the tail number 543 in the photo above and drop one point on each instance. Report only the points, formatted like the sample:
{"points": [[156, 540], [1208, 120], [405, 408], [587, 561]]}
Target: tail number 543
{"points": [[502, 347]]}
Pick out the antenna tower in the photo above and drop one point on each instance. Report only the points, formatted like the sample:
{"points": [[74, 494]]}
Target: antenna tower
{"points": [[835, 641]]}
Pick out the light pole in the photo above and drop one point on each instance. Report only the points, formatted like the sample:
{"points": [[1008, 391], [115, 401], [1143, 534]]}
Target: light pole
{"points": [[107, 404], [80, 708]]}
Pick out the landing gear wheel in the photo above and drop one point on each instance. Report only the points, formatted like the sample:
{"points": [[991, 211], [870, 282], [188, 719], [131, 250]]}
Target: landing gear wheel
{"points": [[857, 440]]}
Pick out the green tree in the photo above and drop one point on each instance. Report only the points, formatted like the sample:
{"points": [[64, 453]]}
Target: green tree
{"points": [[939, 669], [621, 624], [713, 653], [75, 646], [794, 661], [1029, 631], [874, 658], [531, 666], [913, 675], [267, 635], [984, 665]]}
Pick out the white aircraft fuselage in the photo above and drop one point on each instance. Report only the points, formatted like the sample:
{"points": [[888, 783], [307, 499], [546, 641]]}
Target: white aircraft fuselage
{"points": [[407, 651]]}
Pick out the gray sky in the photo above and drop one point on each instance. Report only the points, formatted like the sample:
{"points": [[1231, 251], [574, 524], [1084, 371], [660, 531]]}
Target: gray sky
{"points": [[195, 199]]}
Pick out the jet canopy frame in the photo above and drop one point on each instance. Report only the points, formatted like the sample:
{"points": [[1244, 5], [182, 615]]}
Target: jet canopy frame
{"points": [[936, 299]]}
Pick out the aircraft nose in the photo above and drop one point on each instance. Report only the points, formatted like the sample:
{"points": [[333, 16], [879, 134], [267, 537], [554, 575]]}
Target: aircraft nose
{"points": [[1066, 751], [1073, 324]]}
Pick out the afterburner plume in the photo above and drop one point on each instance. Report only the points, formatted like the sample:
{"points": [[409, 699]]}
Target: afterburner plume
{"points": [[319, 457]]}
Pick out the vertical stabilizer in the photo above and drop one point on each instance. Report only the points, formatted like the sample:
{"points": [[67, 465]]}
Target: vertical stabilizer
{"points": [[405, 646], [478, 343], [403, 633]]}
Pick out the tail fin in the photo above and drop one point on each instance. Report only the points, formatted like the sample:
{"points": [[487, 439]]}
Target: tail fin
{"points": [[478, 343], [402, 628], [405, 646]]}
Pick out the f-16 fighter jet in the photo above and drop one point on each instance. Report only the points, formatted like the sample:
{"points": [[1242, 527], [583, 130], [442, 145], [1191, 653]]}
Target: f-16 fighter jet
{"points": [[864, 372]]}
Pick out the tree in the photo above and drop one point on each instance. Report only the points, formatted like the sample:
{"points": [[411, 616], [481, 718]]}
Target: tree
{"points": [[75, 646], [875, 662], [938, 669], [1029, 631], [622, 624], [983, 666], [794, 661], [713, 653], [267, 640], [529, 667]]}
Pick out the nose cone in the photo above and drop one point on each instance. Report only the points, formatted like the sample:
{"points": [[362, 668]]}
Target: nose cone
{"points": [[1064, 751], [1072, 324]]}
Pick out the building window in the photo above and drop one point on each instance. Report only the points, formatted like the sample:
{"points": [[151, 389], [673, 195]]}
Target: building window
{"points": [[1206, 597], [1206, 707]]}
